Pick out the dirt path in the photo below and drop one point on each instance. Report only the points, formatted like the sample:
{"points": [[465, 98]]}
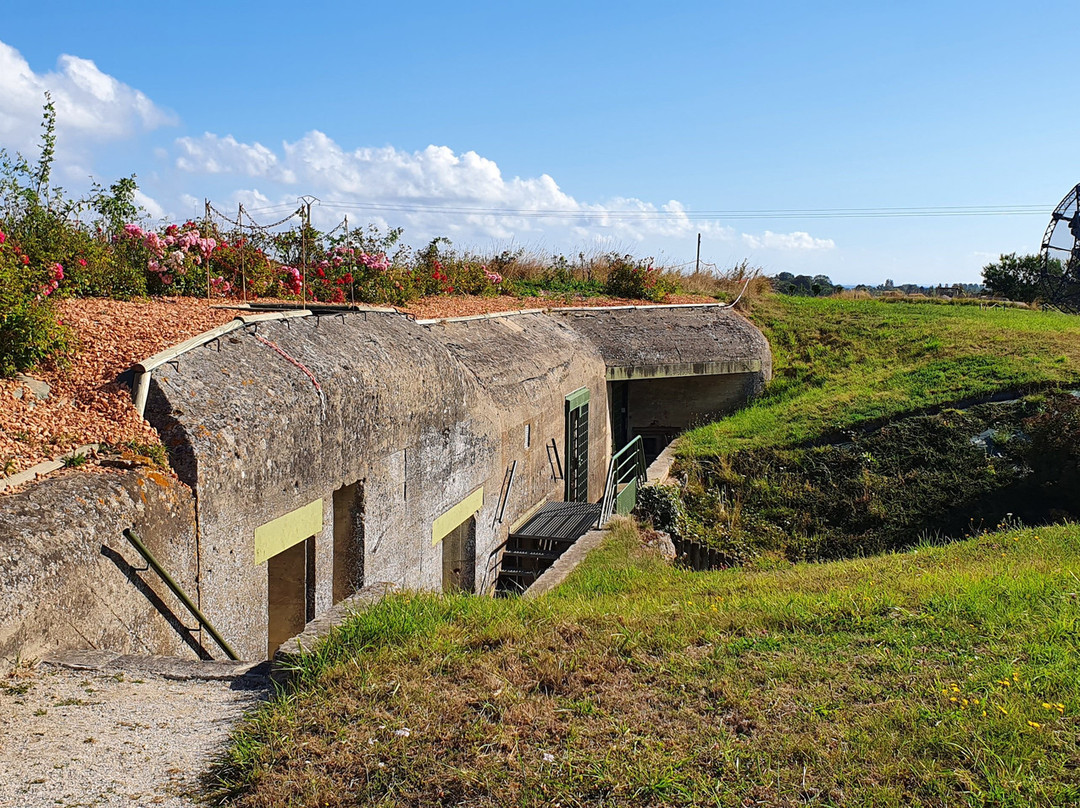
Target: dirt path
{"points": [[126, 733]]}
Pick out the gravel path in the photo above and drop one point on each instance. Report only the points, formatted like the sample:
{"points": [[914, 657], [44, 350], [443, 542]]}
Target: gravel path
{"points": [[113, 737]]}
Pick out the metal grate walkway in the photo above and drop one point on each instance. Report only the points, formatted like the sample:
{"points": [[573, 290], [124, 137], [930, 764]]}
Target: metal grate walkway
{"points": [[534, 546]]}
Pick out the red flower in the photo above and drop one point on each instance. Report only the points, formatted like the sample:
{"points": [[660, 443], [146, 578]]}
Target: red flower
{"points": [[320, 273], [25, 260]]}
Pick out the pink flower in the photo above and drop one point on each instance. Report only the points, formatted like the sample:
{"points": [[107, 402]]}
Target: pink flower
{"points": [[155, 244], [3, 237], [82, 262]]}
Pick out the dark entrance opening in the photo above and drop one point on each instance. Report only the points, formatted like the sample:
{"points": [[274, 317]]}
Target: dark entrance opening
{"points": [[290, 593], [459, 558], [348, 540], [660, 408], [619, 401]]}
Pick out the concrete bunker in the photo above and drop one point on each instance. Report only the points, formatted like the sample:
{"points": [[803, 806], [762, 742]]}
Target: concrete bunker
{"points": [[670, 368], [336, 453]]}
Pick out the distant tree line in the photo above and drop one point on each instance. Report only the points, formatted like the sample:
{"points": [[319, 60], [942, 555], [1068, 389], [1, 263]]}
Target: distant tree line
{"points": [[805, 285], [938, 290], [821, 286]]}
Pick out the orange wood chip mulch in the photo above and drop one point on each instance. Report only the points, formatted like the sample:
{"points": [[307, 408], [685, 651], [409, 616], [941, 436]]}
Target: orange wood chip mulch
{"points": [[87, 405]]}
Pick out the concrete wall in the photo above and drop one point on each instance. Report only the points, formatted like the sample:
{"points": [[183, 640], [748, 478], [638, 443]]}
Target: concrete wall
{"points": [[422, 415], [418, 423], [682, 402], [69, 579], [641, 342]]}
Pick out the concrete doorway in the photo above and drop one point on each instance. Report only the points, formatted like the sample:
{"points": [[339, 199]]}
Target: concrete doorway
{"points": [[459, 558], [290, 602], [348, 540]]}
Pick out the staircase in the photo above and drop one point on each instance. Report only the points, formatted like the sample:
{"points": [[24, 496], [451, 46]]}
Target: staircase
{"points": [[534, 546]]}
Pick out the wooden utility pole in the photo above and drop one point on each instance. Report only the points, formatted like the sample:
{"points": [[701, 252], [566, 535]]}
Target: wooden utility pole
{"points": [[305, 226], [697, 264], [240, 246], [206, 227]]}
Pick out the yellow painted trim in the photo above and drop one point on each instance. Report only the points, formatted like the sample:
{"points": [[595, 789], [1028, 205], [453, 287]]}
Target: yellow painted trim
{"points": [[285, 531], [442, 526]]}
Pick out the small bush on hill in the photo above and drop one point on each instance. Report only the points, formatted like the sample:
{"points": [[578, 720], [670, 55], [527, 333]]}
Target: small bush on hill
{"points": [[29, 330], [636, 279]]}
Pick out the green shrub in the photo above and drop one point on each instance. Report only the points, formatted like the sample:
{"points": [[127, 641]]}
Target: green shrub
{"points": [[29, 330], [636, 279]]}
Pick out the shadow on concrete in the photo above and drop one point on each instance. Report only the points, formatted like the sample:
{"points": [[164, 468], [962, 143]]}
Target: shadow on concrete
{"points": [[132, 574]]}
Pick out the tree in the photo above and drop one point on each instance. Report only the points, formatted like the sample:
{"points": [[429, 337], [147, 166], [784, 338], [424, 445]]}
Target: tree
{"points": [[1016, 277]]}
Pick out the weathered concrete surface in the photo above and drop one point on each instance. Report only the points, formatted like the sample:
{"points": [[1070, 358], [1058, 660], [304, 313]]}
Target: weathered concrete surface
{"points": [[527, 364], [644, 341], [167, 667], [386, 428], [393, 411], [69, 579], [660, 469]]}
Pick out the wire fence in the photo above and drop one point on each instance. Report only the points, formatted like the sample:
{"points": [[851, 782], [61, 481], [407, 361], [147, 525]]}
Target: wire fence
{"points": [[301, 249]]}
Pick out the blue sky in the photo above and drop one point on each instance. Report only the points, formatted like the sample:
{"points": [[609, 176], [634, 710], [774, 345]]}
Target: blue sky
{"points": [[555, 119]]}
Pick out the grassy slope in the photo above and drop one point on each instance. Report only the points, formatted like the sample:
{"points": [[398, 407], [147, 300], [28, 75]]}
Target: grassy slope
{"points": [[839, 362], [827, 684], [926, 678]]}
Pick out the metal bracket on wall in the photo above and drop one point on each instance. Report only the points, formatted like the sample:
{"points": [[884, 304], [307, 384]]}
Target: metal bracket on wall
{"points": [[556, 463], [508, 480], [131, 536]]}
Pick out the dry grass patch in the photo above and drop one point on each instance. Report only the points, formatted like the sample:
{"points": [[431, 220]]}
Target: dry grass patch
{"points": [[854, 683]]}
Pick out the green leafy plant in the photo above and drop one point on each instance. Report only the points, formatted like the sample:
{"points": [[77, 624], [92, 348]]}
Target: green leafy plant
{"points": [[636, 279]]}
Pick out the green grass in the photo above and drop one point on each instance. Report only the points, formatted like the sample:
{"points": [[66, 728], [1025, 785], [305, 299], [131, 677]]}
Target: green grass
{"points": [[838, 363], [942, 676], [915, 679]]}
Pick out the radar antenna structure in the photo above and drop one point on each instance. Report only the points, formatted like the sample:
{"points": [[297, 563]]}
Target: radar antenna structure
{"points": [[1060, 252]]}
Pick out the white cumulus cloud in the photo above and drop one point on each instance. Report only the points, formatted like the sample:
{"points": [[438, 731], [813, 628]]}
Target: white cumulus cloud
{"points": [[435, 191], [798, 240], [90, 105], [211, 154]]}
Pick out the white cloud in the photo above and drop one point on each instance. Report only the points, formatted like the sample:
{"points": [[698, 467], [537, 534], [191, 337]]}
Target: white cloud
{"points": [[437, 191], [150, 205], [211, 154], [90, 105], [798, 240]]}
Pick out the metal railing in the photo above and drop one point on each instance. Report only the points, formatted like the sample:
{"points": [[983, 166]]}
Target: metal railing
{"points": [[626, 473], [136, 542]]}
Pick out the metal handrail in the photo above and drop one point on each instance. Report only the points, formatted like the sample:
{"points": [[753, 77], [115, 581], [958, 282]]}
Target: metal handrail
{"points": [[136, 542], [627, 463]]}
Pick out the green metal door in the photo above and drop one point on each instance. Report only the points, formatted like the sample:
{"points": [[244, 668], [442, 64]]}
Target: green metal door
{"points": [[577, 446]]}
